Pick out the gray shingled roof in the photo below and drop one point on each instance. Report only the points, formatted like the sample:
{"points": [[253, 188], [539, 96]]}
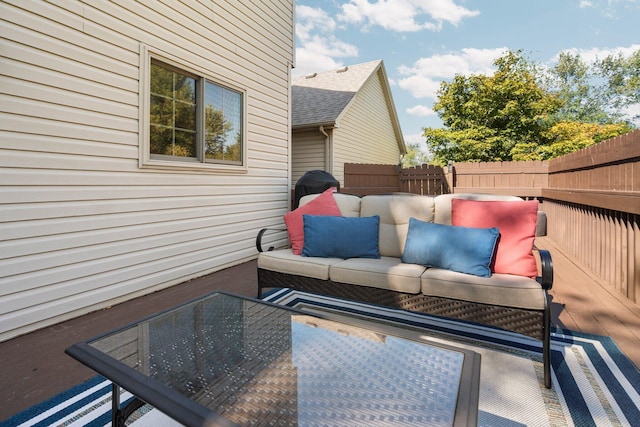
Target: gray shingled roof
{"points": [[321, 98]]}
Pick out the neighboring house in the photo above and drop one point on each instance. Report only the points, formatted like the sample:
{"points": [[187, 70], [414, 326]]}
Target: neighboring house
{"points": [[344, 116], [142, 144]]}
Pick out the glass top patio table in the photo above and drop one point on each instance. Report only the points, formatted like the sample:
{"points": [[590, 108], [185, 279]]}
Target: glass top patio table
{"points": [[229, 360]]}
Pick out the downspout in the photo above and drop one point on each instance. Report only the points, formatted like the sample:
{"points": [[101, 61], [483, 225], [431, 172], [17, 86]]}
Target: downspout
{"points": [[328, 149]]}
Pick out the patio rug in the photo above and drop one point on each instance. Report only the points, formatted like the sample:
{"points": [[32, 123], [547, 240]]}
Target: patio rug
{"points": [[594, 384]]}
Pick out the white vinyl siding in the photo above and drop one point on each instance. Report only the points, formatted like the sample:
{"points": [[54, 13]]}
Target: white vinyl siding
{"points": [[308, 153], [82, 227], [365, 133]]}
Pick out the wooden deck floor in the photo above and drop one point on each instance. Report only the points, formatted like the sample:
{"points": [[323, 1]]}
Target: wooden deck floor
{"points": [[35, 367]]}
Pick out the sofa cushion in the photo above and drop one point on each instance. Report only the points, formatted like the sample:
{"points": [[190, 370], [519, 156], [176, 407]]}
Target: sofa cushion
{"points": [[341, 237], [517, 224], [463, 249], [500, 289], [384, 273], [324, 204], [285, 261], [395, 210]]}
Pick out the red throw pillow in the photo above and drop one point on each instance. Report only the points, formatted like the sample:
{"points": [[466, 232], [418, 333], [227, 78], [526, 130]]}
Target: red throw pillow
{"points": [[324, 204], [517, 224]]}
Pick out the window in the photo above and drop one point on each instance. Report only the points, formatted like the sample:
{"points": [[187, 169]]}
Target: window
{"points": [[192, 121]]}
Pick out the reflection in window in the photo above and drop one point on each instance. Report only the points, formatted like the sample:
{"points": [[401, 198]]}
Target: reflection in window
{"points": [[173, 113], [222, 123], [193, 119]]}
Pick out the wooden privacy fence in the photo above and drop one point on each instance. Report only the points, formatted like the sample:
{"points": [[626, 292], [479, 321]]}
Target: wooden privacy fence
{"points": [[523, 179], [591, 199], [425, 179], [604, 240], [592, 204], [362, 179]]}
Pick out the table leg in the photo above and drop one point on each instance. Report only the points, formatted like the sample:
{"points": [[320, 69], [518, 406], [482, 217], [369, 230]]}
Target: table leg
{"points": [[119, 415]]}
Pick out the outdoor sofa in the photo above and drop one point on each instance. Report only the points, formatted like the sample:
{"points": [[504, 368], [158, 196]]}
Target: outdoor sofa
{"points": [[401, 251]]}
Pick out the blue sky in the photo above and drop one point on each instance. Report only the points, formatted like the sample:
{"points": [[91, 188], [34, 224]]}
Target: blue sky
{"points": [[423, 42]]}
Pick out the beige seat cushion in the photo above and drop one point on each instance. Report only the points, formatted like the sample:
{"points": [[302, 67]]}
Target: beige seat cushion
{"points": [[499, 289], [384, 273], [284, 261], [395, 210]]}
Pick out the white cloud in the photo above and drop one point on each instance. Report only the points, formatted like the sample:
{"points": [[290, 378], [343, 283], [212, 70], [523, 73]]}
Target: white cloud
{"points": [[414, 138], [425, 76], [308, 62], [420, 86], [420, 111], [611, 9], [590, 55], [310, 19], [405, 15], [318, 46]]}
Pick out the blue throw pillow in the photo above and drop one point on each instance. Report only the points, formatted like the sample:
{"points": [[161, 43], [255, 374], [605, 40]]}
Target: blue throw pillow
{"points": [[341, 237], [463, 249]]}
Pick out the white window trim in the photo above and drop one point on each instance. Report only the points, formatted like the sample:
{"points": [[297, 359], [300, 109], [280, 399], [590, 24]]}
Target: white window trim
{"points": [[144, 160]]}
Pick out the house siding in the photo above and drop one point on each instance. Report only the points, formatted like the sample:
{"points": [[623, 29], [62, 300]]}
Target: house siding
{"points": [[308, 153], [370, 114], [82, 227]]}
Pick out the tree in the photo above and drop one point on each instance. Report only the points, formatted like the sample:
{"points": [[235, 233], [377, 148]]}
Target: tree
{"points": [[487, 117], [582, 102], [172, 117], [216, 129], [523, 112], [622, 80], [599, 92], [414, 156], [567, 137]]}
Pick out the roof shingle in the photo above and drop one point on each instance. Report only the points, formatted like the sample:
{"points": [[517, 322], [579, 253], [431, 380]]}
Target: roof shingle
{"points": [[319, 99]]}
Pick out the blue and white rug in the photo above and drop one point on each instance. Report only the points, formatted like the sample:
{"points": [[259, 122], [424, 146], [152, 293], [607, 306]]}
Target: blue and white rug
{"points": [[594, 384]]}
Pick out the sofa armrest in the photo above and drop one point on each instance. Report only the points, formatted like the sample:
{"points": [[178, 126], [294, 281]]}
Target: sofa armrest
{"points": [[261, 233], [546, 278]]}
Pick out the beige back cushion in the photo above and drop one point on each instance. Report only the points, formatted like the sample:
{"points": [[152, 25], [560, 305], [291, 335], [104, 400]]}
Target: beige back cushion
{"points": [[348, 204], [443, 203], [395, 211]]}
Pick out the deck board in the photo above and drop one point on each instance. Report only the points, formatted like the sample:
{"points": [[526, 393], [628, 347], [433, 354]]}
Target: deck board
{"points": [[36, 367]]}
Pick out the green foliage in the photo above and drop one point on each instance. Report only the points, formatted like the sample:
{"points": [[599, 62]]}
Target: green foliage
{"points": [[567, 137], [216, 129], [523, 112], [596, 94], [582, 101], [488, 116], [622, 79], [414, 156]]}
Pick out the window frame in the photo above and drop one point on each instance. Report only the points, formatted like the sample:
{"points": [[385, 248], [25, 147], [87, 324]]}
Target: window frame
{"points": [[201, 163]]}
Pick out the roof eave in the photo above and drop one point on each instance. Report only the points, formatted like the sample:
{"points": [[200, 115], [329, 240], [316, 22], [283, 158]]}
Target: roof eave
{"points": [[394, 114], [326, 125]]}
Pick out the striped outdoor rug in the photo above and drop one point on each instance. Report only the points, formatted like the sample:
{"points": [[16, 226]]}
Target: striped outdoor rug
{"points": [[594, 384]]}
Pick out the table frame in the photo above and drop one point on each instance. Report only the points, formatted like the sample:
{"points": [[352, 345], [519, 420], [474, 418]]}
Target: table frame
{"points": [[190, 413]]}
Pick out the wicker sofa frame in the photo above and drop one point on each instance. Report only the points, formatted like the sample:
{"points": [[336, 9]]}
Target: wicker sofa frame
{"points": [[529, 322]]}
